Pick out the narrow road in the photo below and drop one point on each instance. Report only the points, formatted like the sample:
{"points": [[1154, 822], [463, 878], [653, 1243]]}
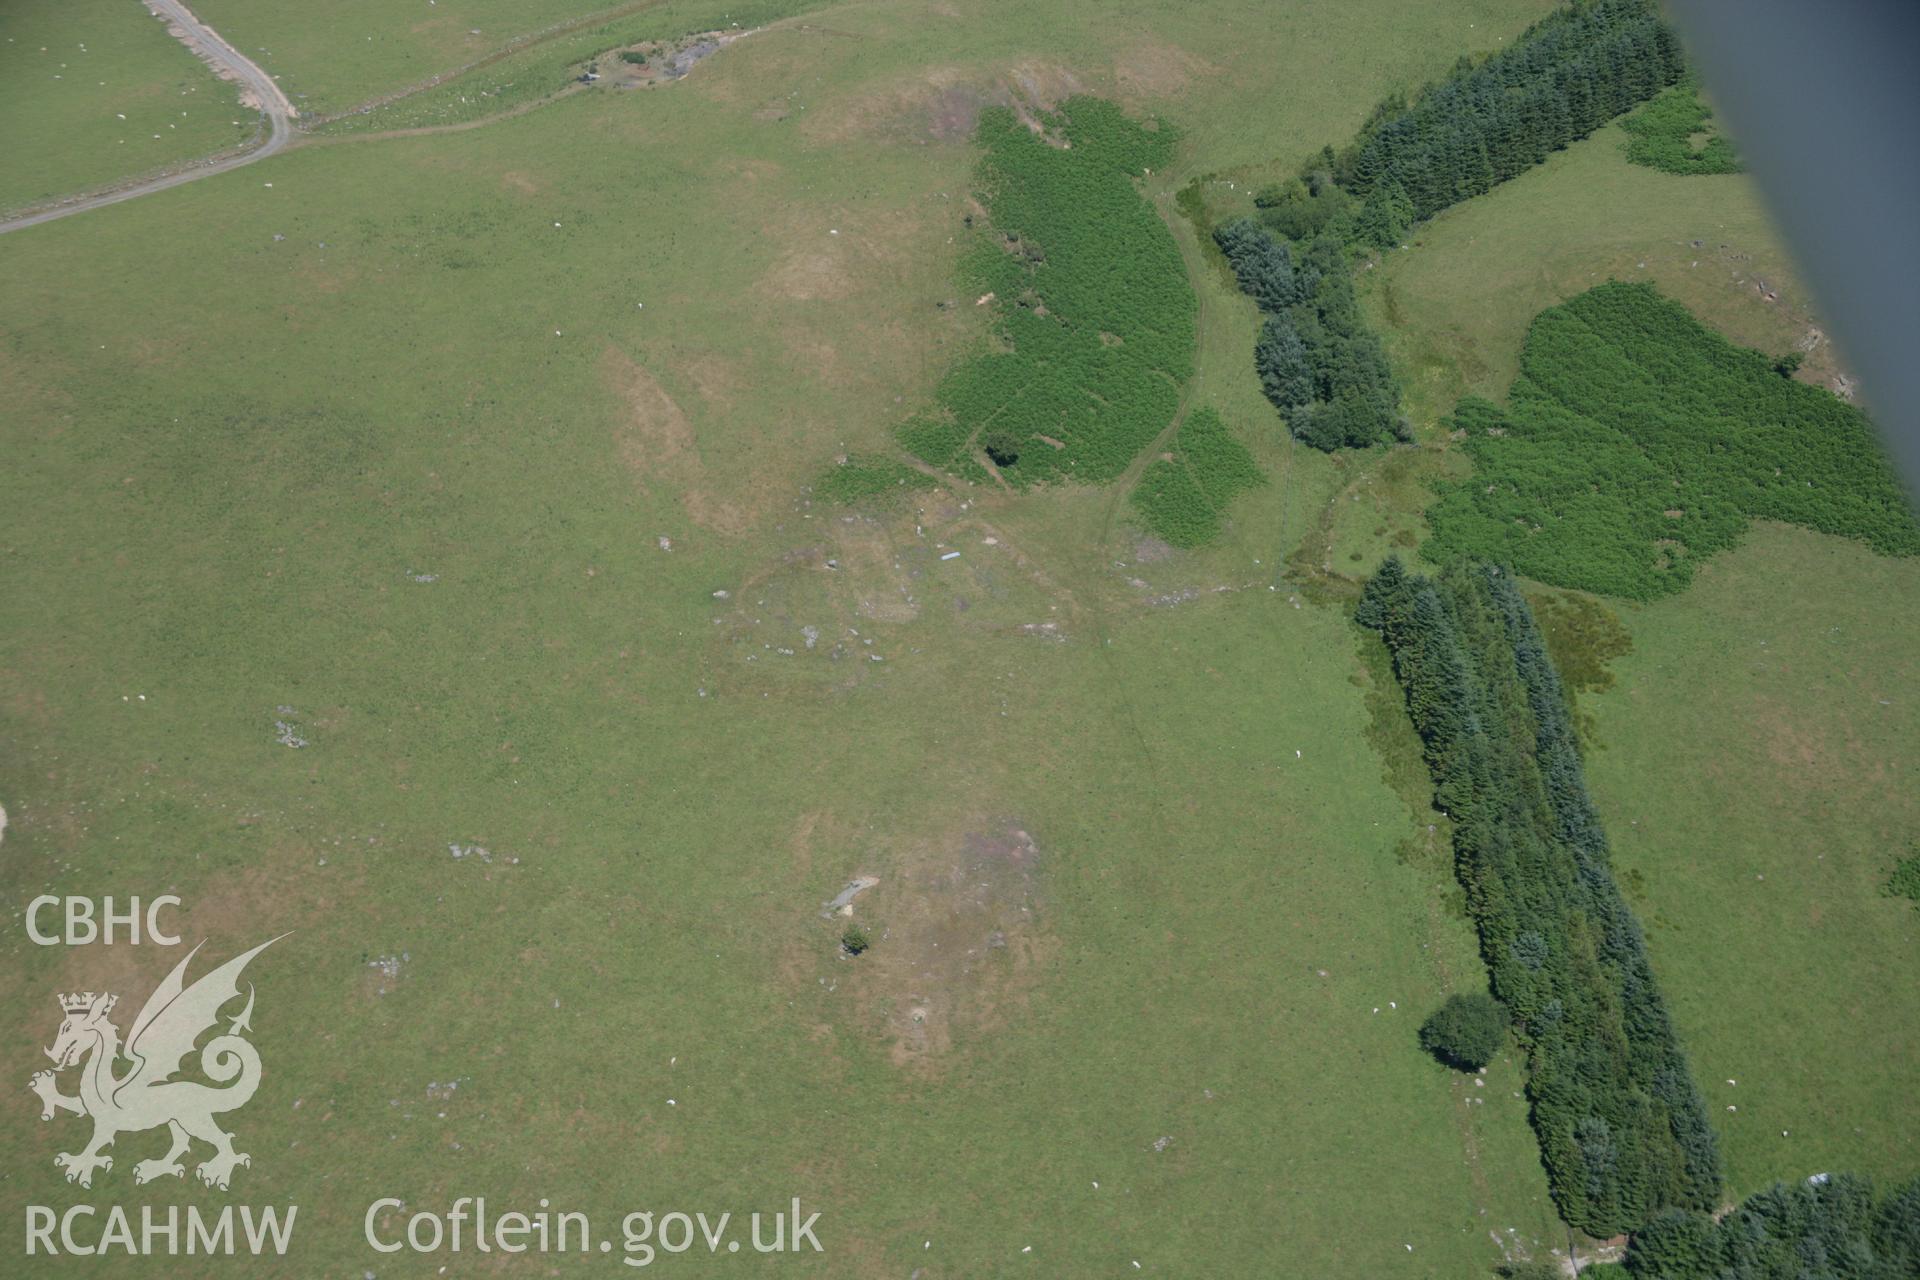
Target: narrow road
{"points": [[257, 90]]}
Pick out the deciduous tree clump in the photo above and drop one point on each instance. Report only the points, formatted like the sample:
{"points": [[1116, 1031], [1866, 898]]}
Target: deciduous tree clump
{"points": [[1465, 1032]]}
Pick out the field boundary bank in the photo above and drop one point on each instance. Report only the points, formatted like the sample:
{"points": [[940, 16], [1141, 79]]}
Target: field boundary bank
{"points": [[260, 92], [519, 44]]}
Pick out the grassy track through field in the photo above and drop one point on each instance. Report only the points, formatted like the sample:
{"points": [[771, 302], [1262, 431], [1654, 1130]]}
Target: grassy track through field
{"points": [[277, 130], [518, 44]]}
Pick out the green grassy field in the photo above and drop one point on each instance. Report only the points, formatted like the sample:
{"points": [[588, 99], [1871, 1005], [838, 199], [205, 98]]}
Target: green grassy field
{"points": [[1457, 304], [1756, 770], [96, 90], [1754, 755], [333, 58], [398, 482], [1152, 838], [911, 73], [539, 65], [1454, 308]]}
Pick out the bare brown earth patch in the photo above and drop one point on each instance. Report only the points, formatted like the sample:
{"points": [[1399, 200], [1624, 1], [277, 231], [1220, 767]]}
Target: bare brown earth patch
{"points": [[158, 350], [227, 911], [1044, 84], [42, 384], [746, 175], [953, 112], [325, 281], [943, 103], [812, 275], [655, 442], [958, 942], [1148, 549], [854, 601], [1811, 759], [800, 843], [657, 438], [713, 378], [819, 618], [833, 255]]}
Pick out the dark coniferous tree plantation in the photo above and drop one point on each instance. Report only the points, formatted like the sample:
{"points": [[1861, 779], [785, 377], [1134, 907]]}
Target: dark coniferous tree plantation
{"points": [[1622, 1128], [1319, 364], [1486, 123]]}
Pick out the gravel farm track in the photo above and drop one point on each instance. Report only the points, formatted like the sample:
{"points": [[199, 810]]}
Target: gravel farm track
{"points": [[257, 90]]}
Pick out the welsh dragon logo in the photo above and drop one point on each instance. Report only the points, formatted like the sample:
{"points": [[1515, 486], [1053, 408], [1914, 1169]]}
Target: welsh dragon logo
{"points": [[145, 1095]]}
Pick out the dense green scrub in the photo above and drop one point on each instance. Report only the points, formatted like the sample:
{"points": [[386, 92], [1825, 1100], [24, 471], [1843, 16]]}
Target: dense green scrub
{"points": [[1569, 74], [1092, 332], [862, 478], [1905, 880], [1319, 363], [1661, 134], [1637, 442], [1181, 498], [1829, 1229], [1093, 317], [1622, 1128]]}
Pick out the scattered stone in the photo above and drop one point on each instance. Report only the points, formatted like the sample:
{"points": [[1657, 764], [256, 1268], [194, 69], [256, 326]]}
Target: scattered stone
{"points": [[855, 887], [389, 968]]}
